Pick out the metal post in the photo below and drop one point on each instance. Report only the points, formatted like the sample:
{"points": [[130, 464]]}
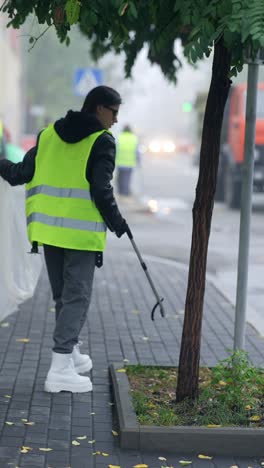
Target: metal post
{"points": [[246, 206]]}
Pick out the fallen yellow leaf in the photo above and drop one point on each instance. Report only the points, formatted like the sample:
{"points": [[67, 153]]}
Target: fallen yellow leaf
{"points": [[7, 396], [145, 338], [44, 449], [121, 370], [222, 382], [185, 462], [248, 407], [52, 309], [81, 437], [105, 454], [213, 425], [74, 442], [25, 449], [162, 458], [234, 466], [255, 418], [4, 324], [23, 340], [205, 457], [9, 423], [91, 441], [92, 413], [141, 466], [115, 433], [151, 405], [29, 423], [114, 466]]}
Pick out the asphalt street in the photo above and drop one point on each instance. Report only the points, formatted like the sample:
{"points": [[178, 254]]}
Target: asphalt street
{"points": [[165, 186]]}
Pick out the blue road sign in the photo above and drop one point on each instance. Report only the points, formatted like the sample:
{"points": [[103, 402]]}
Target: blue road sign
{"points": [[85, 79]]}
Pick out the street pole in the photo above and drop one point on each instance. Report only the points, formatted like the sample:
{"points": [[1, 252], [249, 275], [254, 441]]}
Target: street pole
{"points": [[246, 207]]}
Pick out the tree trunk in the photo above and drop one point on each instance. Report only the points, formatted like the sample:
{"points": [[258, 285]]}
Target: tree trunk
{"points": [[202, 215]]}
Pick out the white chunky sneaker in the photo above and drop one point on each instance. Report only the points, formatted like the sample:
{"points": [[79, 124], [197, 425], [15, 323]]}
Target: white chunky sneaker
{"points": [[62, 376], [82, 362]]}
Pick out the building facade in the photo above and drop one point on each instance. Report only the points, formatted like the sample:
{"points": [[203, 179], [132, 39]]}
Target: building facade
{"points": [[10, 80]]}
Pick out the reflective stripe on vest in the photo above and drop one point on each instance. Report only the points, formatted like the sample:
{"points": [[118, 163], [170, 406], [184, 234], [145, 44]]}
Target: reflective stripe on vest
{"points": [[59, 192], [59, 207], [66, 222], [126, 150]]}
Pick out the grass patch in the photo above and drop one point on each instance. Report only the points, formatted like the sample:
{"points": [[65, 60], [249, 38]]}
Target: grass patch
{"points": [[230, 394]]}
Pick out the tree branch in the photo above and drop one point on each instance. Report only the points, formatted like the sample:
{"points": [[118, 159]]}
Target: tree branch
{"points": [[38, 37], [3, 4]]}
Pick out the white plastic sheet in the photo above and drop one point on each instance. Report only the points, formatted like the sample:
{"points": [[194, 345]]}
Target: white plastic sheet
{"points": [[19, 271]]}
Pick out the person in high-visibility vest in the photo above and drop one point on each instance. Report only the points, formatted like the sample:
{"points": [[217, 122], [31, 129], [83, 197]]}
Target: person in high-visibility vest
{"points": [[69, 204], [126, 160]]}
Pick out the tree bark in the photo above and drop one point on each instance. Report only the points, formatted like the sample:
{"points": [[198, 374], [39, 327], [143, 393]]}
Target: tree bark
{"points": [[188, 375]]}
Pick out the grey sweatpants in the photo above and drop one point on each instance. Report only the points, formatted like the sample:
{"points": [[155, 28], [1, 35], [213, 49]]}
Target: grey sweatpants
{"points": [[71, 275]]}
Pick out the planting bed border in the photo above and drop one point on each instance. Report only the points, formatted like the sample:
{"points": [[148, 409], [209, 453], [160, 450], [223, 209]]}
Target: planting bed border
{"points": [[178, 439]]}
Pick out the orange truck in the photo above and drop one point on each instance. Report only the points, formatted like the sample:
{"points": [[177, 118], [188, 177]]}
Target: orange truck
{"points": [[229, 180]]}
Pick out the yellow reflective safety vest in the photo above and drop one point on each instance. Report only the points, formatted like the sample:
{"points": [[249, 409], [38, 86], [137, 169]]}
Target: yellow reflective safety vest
{"points": [[59, 207], [126, 155]]}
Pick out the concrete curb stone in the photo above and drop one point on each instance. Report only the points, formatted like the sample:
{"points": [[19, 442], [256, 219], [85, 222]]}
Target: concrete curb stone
{"points": [[185, 439]]}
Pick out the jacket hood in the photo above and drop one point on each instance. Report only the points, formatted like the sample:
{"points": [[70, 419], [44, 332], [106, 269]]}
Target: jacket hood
{"points": [[76, 126]]}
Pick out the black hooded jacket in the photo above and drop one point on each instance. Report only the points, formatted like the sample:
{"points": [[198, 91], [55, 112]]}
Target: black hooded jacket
{"points": [[99, 172]]}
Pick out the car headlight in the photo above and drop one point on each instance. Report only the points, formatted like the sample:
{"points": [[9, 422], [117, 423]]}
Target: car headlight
{"points": [[154, 146], [169, 147], [161, 146]]}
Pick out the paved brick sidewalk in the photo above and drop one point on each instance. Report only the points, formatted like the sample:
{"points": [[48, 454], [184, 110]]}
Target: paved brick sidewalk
{"points": [[118, 328]]}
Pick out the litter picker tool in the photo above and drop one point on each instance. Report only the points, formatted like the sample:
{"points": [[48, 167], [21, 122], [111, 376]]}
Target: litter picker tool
{"points": [[159, 300]]}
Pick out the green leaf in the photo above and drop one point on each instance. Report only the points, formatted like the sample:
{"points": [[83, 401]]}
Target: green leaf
{"points": [[193, 54], [72, 9], [208, 52], [122, 9], [133, 10], [93, 18], [262, 42]]}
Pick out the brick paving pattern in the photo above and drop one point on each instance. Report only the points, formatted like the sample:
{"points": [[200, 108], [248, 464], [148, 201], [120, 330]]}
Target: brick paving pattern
{"points": [[118, 327]]}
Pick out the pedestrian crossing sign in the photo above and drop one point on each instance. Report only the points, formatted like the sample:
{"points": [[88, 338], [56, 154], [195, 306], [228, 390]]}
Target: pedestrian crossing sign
{"points": [[85, 79]]}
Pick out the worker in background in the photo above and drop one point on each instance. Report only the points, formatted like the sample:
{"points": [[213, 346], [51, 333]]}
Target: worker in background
{"points": [[2, 141], [126, 160]]}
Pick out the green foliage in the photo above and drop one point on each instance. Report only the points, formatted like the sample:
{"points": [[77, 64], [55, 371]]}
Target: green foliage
{"points": [[238, 381], [231, 394], [240, 22], [126, 26]]}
